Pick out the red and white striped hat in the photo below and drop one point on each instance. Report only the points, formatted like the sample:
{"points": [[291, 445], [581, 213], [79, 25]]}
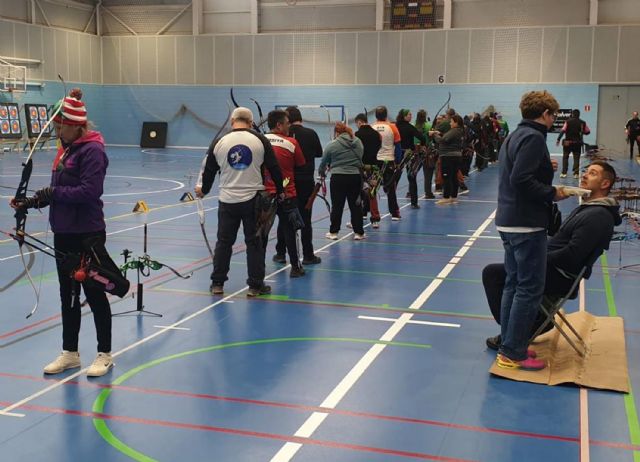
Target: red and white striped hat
{"points": [[73, 111]]}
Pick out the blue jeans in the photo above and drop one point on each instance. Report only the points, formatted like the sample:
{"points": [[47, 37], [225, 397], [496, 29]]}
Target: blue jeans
{"points": [[525, 261]]}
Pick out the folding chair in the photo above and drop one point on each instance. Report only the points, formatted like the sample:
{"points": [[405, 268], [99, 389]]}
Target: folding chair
{"points": [[551, 306]]}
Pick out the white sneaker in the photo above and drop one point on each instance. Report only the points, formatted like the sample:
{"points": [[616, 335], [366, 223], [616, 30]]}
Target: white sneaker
{"points": [[563, 175], [349, 225], [66, 360], [398, 218], [446, 201], [359, 237], [332, 236], [375, 224], [101, 365]]}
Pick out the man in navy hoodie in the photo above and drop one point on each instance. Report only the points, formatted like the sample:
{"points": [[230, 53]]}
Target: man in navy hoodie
{"points": [[524, 197]]}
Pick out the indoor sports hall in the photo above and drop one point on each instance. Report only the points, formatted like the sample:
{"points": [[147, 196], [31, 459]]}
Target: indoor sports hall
{"points": [[378, 351]]}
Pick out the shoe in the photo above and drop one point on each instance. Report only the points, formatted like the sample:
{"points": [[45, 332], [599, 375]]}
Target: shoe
{"points": [[101, 365], [312, 261], [463, 191], [279, 258], [415, 206], [216, 289], [375, 224], [255, 291], [359, 237], [563, 175], [407, 196], [297, 272], [529, 364], [446, 201], [396, 218], [349, 225], [429, 196], [332, 236], [493, 343], [66, 360], [576, 176]]}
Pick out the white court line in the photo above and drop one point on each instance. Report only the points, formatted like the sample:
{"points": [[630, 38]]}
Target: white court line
{"points": [[584, 398], [289, 450], [467, 235], [7, 411], [425, 323], [174, 328]]}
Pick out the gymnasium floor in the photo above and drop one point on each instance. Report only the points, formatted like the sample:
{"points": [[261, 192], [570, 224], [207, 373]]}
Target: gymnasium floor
{"points": [[377, 354]]}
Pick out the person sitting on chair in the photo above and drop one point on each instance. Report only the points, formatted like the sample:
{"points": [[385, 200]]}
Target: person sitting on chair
{"points": [[581, 239]]}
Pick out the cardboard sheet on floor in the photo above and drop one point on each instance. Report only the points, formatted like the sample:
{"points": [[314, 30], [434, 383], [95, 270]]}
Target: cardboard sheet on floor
{"points": [[603, 367]]}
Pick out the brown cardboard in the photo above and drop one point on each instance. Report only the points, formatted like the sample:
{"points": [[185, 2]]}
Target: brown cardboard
{"points": [[604, 365]]}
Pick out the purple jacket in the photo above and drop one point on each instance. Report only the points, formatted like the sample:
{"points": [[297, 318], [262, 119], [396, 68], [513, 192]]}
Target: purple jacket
{"points": [[78, 183]]}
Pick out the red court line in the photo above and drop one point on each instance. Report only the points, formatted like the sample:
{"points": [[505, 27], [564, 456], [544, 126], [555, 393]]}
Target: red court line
{"points": [[236, 431], [300, 407]]}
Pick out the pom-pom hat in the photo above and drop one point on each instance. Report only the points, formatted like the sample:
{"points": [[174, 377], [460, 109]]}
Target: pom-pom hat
{"points": [[72, 109]]}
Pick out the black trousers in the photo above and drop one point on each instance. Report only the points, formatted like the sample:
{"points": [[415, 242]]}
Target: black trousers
{"points": [[575, 149], [493, 279], [304, 188], [389, 187], [229, 218], [450, 166], [412, 172], [285, 229], [346, 188], [633, 139], [70, 292]]}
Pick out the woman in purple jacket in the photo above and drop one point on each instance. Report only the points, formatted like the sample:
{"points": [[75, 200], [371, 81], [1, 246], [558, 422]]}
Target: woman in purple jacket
{"points": [[77, 222]]}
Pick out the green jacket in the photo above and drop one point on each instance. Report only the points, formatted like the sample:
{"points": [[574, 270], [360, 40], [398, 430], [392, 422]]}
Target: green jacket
{"points": [[343, 155]]}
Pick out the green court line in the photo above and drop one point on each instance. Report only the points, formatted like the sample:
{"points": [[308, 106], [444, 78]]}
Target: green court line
{"points": [[629, 401], [427, 246], [385, 306], [99, 404], [401, 275]]}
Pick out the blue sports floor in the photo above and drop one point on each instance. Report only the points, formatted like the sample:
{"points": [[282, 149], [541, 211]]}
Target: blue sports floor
{"points": [[377, 354]]}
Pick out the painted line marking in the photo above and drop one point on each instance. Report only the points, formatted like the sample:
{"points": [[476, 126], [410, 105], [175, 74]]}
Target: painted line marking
{"points": [[144, 340], [241, 432], [288, 450], [424, 323], [228, 301], [12, 414], [306, 408], [584, 398], [173, 328], [467, 235]]}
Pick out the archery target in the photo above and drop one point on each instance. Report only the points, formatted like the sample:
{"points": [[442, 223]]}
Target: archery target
{"points": [[43, 112], [10, 121], [35, 127], [13, 112], [37, 117], [4, 112], [33, 112], [15, 127], [5, 129]]}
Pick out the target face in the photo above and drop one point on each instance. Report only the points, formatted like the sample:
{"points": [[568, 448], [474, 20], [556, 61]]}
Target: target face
{"points": [[152, 134], [4, 112], [43, 112], [15, 127], [35, 127], [33, 112], [5, 129], [13, 112]]}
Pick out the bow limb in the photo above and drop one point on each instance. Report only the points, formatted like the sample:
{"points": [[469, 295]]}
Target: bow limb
{"points": [[233, 99], [33, 284], [446, 103], [174, 271], [21, 275], [201, 216]]}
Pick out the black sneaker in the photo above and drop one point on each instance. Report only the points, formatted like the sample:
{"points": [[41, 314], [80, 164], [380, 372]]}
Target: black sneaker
{"points": [[312, 261], [429, 196], [255, 291], [216, 289], [296, 272], [278, 258], [494, 342], [415, 206]]}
